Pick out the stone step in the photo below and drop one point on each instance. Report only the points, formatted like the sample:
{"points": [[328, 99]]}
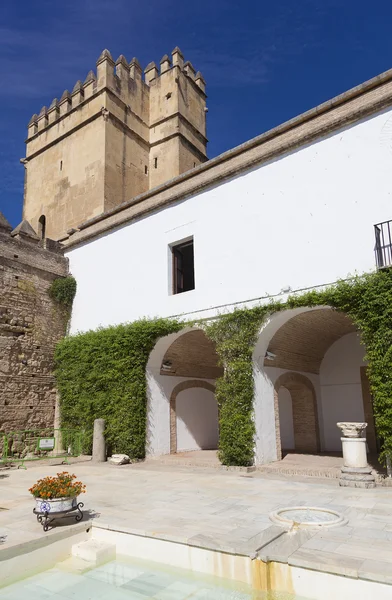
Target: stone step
{"points": [[94, 552], [358, 470], [75, 565]]}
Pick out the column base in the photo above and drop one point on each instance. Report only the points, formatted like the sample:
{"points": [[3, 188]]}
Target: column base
{"points": [[357, 477]]}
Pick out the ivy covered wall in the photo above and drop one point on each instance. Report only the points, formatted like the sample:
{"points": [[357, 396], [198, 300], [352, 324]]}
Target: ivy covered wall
{"points": [[366, 299], [102, 373]]}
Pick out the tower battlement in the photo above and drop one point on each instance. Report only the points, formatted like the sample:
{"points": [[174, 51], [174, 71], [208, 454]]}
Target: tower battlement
{"points": [[122, 79], [117, 134]]}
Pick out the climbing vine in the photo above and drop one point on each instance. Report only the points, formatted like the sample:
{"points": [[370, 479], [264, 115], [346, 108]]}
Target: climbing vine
{"points": [[235, 335], [63, 290], [102, 373], [366, 299]]}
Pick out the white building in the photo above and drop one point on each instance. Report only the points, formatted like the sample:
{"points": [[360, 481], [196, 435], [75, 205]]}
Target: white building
{"points": [[290, 210]]}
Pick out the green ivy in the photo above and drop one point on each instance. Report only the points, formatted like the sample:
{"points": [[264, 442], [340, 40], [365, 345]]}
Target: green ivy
{"points": [[366, 299], [63, 290], [102, 374], [235, 336]]}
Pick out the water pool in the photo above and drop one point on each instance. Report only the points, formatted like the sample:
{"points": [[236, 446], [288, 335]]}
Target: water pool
{"points": [[124, 579]]}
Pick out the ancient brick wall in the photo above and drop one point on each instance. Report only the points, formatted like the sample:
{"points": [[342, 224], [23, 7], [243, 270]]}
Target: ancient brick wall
{"points": [[30, 326]]}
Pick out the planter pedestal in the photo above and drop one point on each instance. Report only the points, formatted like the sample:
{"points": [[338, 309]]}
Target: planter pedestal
{"points": [[355, 471], [48, 511]]}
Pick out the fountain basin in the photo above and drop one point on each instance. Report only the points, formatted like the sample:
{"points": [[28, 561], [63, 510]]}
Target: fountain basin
{"points": [[292, 517]]}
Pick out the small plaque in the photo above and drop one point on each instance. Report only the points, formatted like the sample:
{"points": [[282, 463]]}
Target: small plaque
{"points": [[46, 443]]}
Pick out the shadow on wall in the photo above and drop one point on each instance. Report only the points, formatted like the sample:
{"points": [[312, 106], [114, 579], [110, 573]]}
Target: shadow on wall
{"points": [[154, 430], [196, 412]]}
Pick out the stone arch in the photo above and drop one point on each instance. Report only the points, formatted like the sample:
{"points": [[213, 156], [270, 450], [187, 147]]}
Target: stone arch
{"points": [[305, 412], [292, 340], [178, 358], [193, 355], [267, 439], [184, 385]]}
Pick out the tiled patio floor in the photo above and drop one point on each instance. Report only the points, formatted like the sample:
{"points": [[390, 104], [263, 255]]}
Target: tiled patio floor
{"points": [[306, 465], [220, 510]]}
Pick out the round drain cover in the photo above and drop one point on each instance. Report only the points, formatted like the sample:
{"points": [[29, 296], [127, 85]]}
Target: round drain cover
{"points": [[307, 516]]}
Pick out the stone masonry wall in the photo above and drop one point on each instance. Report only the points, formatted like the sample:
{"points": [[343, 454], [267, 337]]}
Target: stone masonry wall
{"points": [[113, 138], [30, 326]]}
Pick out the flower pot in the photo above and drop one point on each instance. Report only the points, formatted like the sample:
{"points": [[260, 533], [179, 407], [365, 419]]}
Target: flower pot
{"points": [[55, 505]]}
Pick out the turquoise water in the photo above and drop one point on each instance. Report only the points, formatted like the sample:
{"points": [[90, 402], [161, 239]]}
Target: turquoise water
{"points": [[130, 580]]}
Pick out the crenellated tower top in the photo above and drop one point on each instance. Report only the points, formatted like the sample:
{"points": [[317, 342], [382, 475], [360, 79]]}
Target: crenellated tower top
{"points": [[117, 134], [118, 76]]}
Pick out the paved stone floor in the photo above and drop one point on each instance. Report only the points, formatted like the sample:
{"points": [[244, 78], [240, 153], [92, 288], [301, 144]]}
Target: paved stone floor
{"points": [[319, 465], [306, 465], [220, 510], [193, 458], [324, 465]]}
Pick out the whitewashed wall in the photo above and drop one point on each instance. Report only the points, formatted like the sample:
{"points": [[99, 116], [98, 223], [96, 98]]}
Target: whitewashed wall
{"points": [[197, 420], [340, 387], [303, 220]]}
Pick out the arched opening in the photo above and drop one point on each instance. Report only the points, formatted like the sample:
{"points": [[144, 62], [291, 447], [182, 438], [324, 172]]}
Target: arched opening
{"points": [[182, 412], [310, 374], [42, 227], [298, 413], [193, 417]]}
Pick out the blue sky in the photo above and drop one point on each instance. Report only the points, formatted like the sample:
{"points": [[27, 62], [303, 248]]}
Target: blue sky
{"points": [[264, 62]]}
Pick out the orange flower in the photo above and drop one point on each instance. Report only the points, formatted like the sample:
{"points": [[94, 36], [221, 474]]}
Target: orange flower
{"points": [[57, 487]]}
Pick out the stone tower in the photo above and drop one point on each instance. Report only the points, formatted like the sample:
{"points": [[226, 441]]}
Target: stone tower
{"points": [[112, 138]]}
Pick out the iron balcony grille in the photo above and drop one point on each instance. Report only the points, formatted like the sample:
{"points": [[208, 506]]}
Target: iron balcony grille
{"points": [[383, 246]]}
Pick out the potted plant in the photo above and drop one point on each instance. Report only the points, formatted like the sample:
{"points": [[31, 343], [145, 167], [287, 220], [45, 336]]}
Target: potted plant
{"points": [[57, 494]]}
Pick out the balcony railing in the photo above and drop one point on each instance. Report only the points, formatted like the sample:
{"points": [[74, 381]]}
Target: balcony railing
{"points": [[383, 245]]}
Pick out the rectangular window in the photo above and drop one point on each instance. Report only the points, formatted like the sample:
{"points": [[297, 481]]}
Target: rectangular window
{"points": [[183, 268]]}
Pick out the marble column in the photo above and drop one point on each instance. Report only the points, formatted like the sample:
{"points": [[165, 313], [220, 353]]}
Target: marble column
{"points": [[355, 471]]}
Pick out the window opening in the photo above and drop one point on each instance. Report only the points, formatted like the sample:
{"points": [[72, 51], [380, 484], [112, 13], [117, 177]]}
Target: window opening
{"points": [[42, 226], [183, 267], [383, 247], [155, 163]]}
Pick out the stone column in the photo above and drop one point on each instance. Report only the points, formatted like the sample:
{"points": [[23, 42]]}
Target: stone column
{"points": [[99, 446], [355, 471], [58, 442]]}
